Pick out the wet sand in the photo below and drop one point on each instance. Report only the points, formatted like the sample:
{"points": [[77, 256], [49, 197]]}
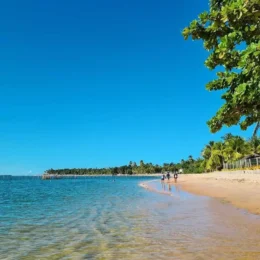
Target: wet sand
{"points": [[240, 189], [230, 232]]}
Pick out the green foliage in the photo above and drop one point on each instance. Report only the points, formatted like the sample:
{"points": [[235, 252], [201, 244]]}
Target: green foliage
{"points": [[230, 30], [188, 166], [235, 148], [254, 143], [231, 149], [191, 165], [126, 169], [213, 154]]}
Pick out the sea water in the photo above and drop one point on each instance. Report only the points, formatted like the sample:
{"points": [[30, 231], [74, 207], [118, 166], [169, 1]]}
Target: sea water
{"points": [[116, 218]]}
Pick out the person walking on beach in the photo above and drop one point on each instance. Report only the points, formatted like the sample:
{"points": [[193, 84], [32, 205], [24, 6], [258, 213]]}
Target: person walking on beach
{"points": [[163, 177], [168, 176], [175, 176]]}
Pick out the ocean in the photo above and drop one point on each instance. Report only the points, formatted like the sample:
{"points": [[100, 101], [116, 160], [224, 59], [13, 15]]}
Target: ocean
{"points": [[115, 218]]}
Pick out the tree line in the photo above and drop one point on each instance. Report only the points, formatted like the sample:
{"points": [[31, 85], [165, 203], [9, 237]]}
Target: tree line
{"points": [[189, 165], [230, 149]]}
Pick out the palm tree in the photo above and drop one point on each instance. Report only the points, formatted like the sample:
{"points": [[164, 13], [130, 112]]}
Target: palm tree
{"points": [[206, 153], [134, 164], [141, 163], [227, 137], [191, 158], [254, 145], [235, 148], [213, 155]]}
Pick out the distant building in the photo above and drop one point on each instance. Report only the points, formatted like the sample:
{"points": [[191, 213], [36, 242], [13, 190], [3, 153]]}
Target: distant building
{"points": [[252, 156]]}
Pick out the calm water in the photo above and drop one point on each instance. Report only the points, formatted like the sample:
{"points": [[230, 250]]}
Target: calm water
{"points": [[97, 218]]}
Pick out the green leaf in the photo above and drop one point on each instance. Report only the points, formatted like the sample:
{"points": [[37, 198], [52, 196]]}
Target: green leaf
{"points": [[252, 28], [230, 30]]}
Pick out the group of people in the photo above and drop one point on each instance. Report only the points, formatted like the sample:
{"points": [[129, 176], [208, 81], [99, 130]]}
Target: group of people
{"points": [[168, 176]]}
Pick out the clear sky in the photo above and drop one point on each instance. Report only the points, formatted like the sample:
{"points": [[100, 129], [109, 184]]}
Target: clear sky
{"points": [[99, 83]]}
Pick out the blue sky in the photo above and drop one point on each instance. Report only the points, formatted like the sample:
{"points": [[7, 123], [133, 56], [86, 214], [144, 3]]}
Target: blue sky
{"points": [[99, 83]]}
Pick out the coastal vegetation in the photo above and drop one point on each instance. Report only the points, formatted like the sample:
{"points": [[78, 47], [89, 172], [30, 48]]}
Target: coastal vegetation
{"points": [[230, 32], [190, 165], [230, 149]]}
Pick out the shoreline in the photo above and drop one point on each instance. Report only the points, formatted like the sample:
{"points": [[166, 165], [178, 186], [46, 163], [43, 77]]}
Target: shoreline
{"points": [[239, 188], [102, 175], [242, 190], [152, 189]]}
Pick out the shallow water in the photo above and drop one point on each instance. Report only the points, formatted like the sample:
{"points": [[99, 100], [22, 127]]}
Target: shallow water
{"points": [[98, 218]]}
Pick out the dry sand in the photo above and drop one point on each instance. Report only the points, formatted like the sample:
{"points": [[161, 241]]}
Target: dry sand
{"points": [[240, 189]]}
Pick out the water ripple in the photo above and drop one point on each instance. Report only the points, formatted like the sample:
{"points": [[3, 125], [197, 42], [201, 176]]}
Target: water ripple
{"points": [[98, 218]]}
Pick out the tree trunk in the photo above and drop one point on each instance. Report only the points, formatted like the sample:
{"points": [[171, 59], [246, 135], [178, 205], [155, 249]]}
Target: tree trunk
{"points": [[256, 129]]}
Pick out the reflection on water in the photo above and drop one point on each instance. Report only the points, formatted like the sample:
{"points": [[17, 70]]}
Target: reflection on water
{"points": [[98, 218]]}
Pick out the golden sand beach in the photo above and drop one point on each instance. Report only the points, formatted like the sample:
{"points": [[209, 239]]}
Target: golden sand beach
{"points": [[240, 189]]}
